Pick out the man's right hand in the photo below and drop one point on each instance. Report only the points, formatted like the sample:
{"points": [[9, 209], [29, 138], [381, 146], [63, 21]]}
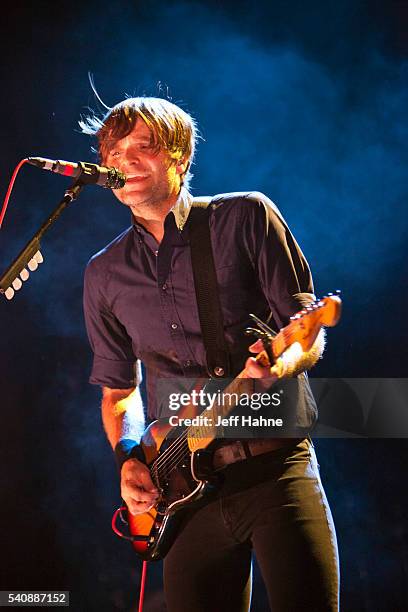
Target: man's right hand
{"points": [[137, 488]]}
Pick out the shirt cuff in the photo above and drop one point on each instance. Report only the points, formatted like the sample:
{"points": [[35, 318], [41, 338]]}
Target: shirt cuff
{"points": [[114, 374]]}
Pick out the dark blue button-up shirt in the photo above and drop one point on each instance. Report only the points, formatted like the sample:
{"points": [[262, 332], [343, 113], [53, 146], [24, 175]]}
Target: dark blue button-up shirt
{"points": [[140, 301]]}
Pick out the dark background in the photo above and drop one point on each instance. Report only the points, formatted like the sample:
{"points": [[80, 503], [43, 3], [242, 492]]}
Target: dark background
{"points": [[304, 101]]}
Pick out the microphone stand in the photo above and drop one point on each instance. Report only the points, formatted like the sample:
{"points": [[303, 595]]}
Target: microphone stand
{"points": [[30, 256]]}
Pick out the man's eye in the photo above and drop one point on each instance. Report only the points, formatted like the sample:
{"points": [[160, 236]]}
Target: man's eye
{"points": [[114, 154]]}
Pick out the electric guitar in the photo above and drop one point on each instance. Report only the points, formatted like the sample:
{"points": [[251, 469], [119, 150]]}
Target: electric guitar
{"points": [[181, 467]]}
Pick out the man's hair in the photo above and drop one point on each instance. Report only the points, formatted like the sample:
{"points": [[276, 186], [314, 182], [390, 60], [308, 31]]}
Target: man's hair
{"points": [[173, 130]]}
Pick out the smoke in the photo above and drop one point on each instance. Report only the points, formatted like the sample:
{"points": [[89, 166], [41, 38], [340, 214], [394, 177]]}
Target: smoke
{"points": [[304, 103]]}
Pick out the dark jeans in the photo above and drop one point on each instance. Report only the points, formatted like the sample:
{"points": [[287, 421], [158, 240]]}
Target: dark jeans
{"points": [[274, 505]]}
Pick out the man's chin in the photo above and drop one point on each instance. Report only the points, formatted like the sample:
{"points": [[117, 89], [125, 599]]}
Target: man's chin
{"points": [[135, 198], [143, 198]]}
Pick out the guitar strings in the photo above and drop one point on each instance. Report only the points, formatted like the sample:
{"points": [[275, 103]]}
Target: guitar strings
{"points": [[173, 451], [169, 458], [178, 450], [169, 462], [170, 451], [172, 455]]}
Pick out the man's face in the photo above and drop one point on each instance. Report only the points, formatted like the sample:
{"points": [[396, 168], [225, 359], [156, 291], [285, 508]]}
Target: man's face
{"points": [[152, 177]]}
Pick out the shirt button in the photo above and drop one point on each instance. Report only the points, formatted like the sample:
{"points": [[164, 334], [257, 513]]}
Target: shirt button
{"points": [[164, 287], [174, 326], [156, 253], [187, 363]]}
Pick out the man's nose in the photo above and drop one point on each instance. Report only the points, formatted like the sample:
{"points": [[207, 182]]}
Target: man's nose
{"points": [[130, 159]]}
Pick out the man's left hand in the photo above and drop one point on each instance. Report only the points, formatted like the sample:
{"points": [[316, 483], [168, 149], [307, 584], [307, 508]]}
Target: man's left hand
{"points": [[256, 370]]}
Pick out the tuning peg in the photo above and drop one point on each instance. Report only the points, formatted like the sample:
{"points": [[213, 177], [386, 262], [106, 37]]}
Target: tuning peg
{"points": [[9, 293], [24, 274], [252, 331], [263, 326], [17, 284], [38, 257], [32, 264]]}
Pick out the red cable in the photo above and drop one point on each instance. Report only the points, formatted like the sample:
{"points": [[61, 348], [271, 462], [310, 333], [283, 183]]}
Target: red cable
{"points": [[144, 566], [9, 190], [142, 586], [113, 523]]}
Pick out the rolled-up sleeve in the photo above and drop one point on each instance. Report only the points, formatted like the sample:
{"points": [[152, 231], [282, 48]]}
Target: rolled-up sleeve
{"points": [[281, 267], [114, 363]]}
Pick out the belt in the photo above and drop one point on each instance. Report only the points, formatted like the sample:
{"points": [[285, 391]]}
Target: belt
{"points": [[240, 450]]}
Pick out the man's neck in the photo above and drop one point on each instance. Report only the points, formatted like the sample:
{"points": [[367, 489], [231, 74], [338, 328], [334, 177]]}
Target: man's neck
{"points": [[152, 218]]}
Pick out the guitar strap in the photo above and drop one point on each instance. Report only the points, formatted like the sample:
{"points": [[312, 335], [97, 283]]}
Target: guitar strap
{"points": [[206, 288]]}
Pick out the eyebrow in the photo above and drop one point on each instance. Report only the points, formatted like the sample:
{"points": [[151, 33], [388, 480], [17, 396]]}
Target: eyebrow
{"points": [[141, 140]]}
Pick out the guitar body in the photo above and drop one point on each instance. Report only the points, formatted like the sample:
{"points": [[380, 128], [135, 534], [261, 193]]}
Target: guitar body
{"points": [[181, 476]]}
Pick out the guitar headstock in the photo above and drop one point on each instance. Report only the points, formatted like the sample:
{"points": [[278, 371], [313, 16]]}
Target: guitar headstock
{"points": [[19, 271], [306, 324]]}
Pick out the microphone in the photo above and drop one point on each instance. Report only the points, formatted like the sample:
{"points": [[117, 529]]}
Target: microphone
{"points": [[90, 174]]}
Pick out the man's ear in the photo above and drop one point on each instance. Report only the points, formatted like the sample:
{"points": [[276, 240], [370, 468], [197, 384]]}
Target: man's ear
{"points": [[182, 166]]}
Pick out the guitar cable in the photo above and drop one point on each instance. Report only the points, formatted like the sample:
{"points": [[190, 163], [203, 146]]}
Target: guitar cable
{"points": [[119, 512], [142, 586]]}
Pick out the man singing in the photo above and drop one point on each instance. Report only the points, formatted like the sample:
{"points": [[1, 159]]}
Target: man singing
{"points": [[140, 306]]}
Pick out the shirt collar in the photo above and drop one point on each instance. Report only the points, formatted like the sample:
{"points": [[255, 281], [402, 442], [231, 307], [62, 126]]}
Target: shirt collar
{"points": [[182, 208]]}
